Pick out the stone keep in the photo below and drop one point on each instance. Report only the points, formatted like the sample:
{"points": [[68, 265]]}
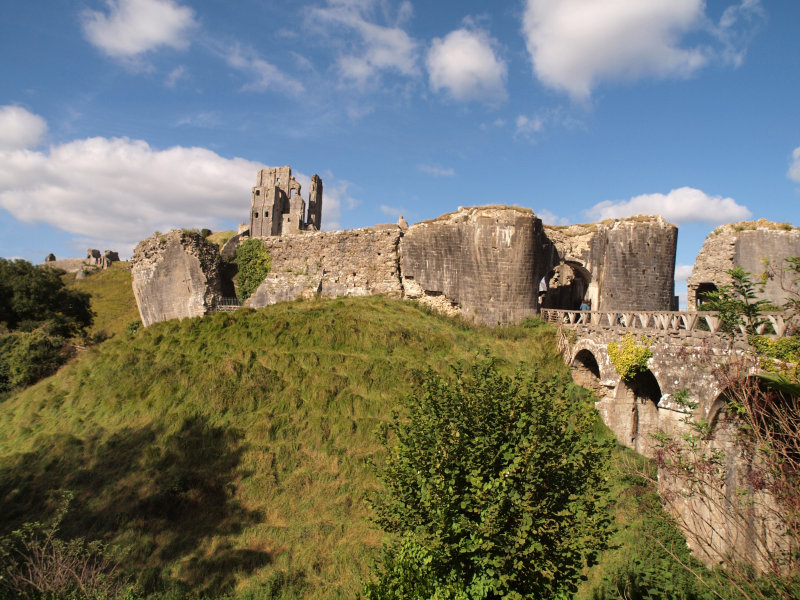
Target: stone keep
{"points": [[277, 208]]}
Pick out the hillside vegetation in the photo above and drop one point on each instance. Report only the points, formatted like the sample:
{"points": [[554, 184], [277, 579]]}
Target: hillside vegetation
{"points": [[112, 300], [230, 453]]}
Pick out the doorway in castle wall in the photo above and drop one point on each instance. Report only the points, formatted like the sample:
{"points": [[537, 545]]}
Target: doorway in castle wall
{"points": [[565, 286]]}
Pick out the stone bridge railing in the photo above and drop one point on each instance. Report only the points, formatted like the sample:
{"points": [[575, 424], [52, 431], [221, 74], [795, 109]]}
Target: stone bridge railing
{"points": [[660, 320]]}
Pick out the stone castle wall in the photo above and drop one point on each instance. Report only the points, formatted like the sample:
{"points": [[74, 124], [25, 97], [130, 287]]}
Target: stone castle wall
{"points": [[360, 262], [485, 264], [749, 245]]}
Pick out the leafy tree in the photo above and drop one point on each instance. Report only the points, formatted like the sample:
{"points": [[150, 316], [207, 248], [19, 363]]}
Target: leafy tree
{"points": [[494, 487], [32, 296], [37, 315], [737, 304], [253, 262]]}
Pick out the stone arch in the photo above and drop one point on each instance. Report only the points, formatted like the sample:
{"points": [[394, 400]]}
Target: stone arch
{"points": [[586, 370], [636, 411], [568, 284]]}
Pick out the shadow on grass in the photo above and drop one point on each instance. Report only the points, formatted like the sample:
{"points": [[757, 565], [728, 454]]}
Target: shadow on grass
{"points": [[158, 496]]}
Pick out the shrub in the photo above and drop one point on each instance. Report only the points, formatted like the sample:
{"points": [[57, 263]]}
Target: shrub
{"points": [[253, 262], [495, 487], [27, 356], [630, 358]]}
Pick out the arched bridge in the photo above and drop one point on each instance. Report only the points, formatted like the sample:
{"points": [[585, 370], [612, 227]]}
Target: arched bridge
{"points": [[686, 346]]}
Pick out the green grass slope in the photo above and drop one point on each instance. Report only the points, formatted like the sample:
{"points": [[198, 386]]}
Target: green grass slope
{"points": [[230, 453], [112, 297]]}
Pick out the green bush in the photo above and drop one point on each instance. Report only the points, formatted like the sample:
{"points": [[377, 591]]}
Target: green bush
{"points": [[27, 356], [253, 263], [628, 357], [495, 486]]}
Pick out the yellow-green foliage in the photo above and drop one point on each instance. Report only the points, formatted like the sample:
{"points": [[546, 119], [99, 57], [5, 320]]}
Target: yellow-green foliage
{"points": [[780, 356], [112, 298], [630, 358], [230, 452]]}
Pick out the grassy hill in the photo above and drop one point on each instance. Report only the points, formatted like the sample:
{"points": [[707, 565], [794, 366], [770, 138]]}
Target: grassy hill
{"points": [[112, 297], [231, 452]]}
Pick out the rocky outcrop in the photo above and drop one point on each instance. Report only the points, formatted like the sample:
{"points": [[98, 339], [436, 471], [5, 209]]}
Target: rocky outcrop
{"points": [[484, 263], [175, 275], [752, 245], [359, 262]]}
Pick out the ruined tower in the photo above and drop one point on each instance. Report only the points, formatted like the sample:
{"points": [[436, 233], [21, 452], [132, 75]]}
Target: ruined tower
{"points": [[277, 207]]}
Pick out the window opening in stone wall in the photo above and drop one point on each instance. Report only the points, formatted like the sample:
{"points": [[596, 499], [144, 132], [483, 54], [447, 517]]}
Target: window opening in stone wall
{"points": [[258, 192], [255, 215], [702, 290]]}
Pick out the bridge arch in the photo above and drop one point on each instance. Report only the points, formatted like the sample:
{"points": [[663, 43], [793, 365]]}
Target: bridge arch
{"points": [[635, 406], [586, 370]]}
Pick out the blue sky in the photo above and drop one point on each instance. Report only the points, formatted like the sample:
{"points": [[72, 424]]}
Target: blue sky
{"points": [[122, 117]]}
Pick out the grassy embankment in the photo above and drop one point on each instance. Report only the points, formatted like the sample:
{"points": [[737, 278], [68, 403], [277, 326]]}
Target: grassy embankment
{"points": [[231, 452], [112, 297]]}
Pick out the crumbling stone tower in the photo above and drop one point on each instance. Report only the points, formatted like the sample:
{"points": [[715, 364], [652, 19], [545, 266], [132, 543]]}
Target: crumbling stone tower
{"points": [[277, 207]]}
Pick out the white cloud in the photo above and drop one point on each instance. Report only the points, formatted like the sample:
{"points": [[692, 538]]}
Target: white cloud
{"points": [[19, 128], [175, 76], [465, 66], [392, 211], [550, 218], [528, 126], [574, 44], [682, 205], [377, 48], [117, 191], [437, 171], [264, 75], [794, 169], [132, 27], [682, 272]]}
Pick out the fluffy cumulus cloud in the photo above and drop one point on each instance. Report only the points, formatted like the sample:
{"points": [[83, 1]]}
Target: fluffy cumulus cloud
{"points": [[118, 190], [794, 169], [132, 27], [574, 44], [380, 44], [19, 128], [465, 66], [682, 205]]}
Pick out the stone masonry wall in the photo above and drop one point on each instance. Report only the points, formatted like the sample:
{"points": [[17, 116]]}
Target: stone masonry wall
{"points": [[358, 262], [175, 275], [484, 262], [630, 262], [748, 245]]}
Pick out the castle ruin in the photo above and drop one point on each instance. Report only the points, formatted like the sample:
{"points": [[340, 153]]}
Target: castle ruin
{"points": [[277, 207]]}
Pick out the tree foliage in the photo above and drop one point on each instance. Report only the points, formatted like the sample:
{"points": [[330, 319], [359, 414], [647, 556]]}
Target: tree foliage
{"points": [[32, 296], [738, 304], [253, 262], [38, 314], [494, 487]]}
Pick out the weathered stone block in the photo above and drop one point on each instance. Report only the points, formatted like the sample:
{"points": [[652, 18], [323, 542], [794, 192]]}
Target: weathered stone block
{"points": [[175, 275]]}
